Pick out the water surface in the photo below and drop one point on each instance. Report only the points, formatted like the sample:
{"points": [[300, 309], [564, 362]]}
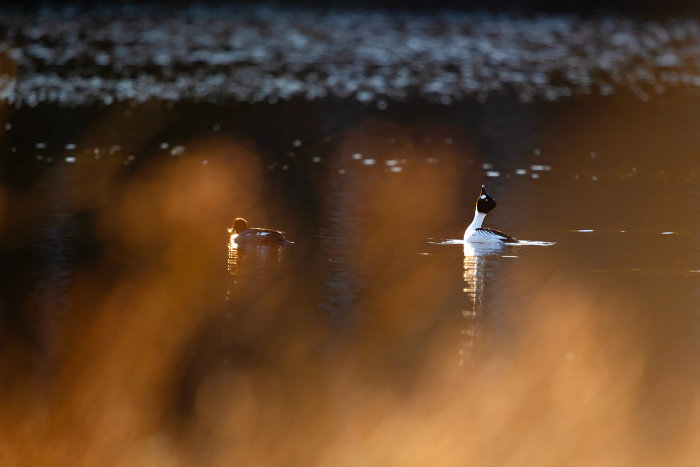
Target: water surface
{"points": [[121, 284]]}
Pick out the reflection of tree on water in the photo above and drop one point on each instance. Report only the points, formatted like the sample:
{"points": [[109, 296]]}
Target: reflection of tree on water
{"points": [[52, 258], [474, 273], [339, 239]]}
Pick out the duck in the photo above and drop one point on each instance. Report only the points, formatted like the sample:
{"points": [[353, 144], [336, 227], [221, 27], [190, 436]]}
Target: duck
{"points": [[241, 234], [485, 203]]}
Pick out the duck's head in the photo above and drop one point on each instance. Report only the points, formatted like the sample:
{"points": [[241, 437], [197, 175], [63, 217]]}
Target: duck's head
{"points": [[485, 202], [239, 225]]}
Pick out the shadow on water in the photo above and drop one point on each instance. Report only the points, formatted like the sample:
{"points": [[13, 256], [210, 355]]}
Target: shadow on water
{"points": [[362, 342]]}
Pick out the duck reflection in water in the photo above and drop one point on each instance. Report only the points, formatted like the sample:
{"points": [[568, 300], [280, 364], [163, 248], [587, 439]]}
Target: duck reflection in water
{"points": [[254, 271], [474, 273], [262, 258]]}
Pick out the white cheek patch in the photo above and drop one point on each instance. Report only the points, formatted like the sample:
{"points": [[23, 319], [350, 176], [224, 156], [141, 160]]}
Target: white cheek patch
{"points": [[483, 196]]}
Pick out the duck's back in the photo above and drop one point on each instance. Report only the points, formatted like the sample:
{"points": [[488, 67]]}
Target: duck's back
{"points": [[257, 236]]}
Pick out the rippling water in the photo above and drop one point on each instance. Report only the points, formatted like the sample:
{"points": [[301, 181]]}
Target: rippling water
{"points": [[130, 324]]}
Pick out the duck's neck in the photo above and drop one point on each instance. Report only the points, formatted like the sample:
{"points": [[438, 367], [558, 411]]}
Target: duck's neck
{"points": [[476, 223]]}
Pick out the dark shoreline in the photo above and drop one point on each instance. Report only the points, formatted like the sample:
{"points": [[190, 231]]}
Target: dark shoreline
{"points": [[268, 55], [644, 9]]}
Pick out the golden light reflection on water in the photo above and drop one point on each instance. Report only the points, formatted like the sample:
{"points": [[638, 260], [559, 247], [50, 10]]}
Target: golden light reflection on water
{"points": [[232, 265], [473, 288], [251, 262], [476, 255], [232, 241]]}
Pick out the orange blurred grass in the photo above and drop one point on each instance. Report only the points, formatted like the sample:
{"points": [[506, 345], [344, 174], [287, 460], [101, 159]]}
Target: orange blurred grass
{"points": [[569, 388], [115, 348], [139, 375]]}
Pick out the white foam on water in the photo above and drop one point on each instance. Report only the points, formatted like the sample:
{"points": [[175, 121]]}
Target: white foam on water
{"points": [[533, 243], [451, 241], [454, 241]]}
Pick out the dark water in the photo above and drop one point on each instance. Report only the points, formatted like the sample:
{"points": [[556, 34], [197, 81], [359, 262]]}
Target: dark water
{"points": [[126, 313]]}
